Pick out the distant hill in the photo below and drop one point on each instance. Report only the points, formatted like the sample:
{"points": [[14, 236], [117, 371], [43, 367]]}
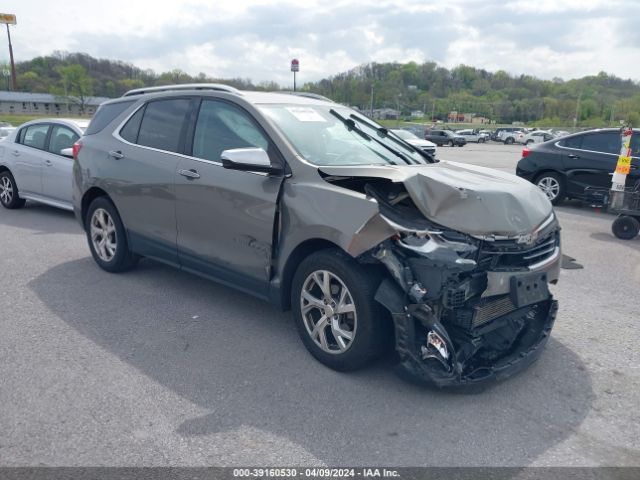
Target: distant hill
{"points": [[598, 100]]}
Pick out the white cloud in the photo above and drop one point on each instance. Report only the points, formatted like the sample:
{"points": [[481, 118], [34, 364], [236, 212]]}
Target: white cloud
{"points": [[256, 39]]}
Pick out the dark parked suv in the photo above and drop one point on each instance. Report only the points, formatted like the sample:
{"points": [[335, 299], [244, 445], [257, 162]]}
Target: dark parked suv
{"points": [[309, 205], [444, 137], [564, 167]]}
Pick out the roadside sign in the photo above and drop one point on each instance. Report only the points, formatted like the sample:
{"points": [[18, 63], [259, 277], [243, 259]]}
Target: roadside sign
{"points": [[623, 166], [8, 18], [295, 65]]}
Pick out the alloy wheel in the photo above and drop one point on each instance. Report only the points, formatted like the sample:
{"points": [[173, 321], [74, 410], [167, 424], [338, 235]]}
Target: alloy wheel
{"points": [[328, 312], [6, 190], [549, 186], [103, 235]]}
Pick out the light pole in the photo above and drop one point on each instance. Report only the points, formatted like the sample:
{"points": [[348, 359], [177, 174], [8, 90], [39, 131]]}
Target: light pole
{"points": [[10, 19]]}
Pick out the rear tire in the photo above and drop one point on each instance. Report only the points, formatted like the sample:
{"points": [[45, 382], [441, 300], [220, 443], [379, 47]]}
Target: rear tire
{"points": [[625, 227], [552, 184], [508, 141], [107, 237], [354, 313], [450, 143], [9, 195]]}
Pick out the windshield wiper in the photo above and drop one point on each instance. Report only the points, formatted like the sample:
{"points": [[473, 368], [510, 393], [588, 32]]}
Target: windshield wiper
{"points": [[351, 125], [384, 133]]}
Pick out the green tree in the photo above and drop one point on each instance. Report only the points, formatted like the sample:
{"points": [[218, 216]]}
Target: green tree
{"points": [[76, 86]]}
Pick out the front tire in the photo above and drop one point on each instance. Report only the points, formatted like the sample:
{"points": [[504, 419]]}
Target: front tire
{"points": [[9, 196], [625, 227], [552, 185], [107, 237], [508, 141], [450, 143], [338, 320]]}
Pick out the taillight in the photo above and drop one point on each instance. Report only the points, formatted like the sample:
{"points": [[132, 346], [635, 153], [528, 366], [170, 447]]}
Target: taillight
{"points": [[76, 149], [525, 152]]}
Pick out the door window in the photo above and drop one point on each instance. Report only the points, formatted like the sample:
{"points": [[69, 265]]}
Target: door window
{"points": [[605, 142], [221, 126], [572, 142], [34, 136], [162, 124], [61, 138]]}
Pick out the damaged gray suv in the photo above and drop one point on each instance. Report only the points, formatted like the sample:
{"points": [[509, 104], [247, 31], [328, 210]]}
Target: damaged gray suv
{"points": [[312, 206]]}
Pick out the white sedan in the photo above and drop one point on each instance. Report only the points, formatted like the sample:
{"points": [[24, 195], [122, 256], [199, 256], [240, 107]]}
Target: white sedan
{"points": [[473, 136], [36, 163], [537, 136], [409, 137]]}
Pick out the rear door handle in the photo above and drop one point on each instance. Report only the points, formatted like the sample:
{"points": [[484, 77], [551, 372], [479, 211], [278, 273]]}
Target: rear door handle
{"points": [[48, 163], [573, 156], [15, 153], [191, 174], [116, 154]]}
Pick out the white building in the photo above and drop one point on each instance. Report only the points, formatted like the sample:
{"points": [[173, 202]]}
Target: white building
{"points": [[21, 103]]}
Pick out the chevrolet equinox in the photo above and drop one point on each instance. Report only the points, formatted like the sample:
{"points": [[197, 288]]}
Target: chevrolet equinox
{"points": [[316, 208]]}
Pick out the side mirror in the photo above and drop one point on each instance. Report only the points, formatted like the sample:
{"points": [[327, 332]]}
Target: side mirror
{"points": [[248, 160], [67, 152]]}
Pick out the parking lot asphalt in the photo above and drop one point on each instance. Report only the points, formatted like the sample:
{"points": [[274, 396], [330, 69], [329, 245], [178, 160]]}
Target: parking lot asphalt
{"points": [[156, 367]]}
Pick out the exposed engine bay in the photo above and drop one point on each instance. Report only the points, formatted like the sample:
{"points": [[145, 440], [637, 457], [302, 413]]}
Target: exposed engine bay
{"points": [[466, 308]]}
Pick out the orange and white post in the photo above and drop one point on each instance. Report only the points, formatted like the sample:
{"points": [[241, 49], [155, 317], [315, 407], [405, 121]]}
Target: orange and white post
{"points": [[622, 169]]}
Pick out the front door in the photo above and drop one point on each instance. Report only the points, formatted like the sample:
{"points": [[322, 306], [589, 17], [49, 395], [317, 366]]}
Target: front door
{"points": [[27, 155], [226, 217]]}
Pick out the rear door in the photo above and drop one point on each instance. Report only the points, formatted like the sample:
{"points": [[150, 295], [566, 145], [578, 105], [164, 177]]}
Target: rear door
{"points": [[28, 157], [226, 217], [142, 170], [57, 169], [590, 160]]}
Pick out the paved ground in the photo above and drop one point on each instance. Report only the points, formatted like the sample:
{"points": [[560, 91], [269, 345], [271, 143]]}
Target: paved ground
{"points": [[157, 367]]}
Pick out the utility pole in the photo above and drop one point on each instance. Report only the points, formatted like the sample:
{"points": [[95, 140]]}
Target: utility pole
{"points": [[10, 19], [575, 118], [371, 108]]}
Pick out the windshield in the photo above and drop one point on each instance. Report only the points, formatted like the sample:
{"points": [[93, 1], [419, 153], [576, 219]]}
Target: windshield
{"points": [[336, 135]]}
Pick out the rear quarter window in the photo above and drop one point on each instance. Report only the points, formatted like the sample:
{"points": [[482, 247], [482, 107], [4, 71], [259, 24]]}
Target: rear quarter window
{"points": [[105, 115]]}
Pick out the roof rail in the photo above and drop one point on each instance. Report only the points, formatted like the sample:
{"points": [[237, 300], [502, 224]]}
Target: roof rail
{"points": [[184, 86], [307, 94]]}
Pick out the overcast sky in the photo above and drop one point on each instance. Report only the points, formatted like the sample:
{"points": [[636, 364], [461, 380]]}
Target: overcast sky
{"points": [[257, 40]]}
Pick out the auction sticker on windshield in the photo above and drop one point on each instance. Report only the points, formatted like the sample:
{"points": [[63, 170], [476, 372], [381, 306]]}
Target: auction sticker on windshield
{"points": [[305, 114]]}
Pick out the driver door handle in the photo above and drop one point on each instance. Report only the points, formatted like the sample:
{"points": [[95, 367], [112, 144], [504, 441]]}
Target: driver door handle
{"points": [[190, 174], [573, 156], [48, 163], [116, 154]]}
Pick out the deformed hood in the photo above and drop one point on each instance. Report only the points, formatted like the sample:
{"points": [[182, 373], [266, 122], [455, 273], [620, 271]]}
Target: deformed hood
{"points": [[467, 198]]}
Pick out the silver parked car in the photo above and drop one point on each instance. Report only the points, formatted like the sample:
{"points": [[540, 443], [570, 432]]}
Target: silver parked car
{"points": [[312, 206], [36, 162]]}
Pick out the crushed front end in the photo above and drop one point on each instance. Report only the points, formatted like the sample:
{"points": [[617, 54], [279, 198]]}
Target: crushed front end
{"points": [[466, 309]]}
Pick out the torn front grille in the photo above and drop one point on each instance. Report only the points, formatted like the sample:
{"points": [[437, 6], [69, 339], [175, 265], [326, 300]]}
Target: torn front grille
{"points": [[510, 254]]}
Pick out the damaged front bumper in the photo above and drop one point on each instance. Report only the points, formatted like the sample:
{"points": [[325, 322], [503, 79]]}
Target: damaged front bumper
{"points": [[469, 312]]}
